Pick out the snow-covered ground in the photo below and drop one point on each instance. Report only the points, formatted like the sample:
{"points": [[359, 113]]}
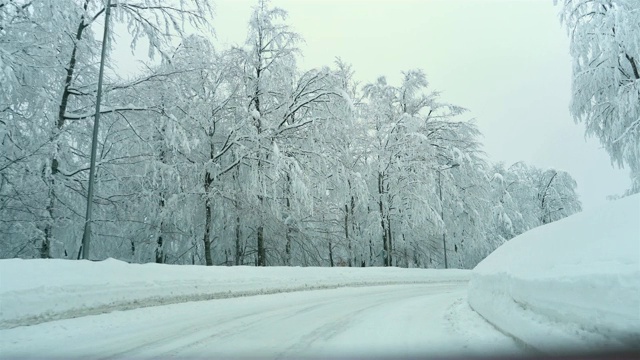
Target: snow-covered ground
{"points": [[362, 322], [72, 308], [35, 291], [572, 284]]}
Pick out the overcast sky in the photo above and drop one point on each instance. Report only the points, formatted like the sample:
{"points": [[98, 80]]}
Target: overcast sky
{"points": [[507, 61]]}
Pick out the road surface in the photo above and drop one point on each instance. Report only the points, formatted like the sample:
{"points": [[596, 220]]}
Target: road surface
{"points": [[395, 320]]}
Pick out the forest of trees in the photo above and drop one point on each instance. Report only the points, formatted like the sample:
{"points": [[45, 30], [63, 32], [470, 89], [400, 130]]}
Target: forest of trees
{"points": [[235, 156]]}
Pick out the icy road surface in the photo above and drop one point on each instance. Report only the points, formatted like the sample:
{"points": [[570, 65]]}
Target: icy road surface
{"points": [[395, 320]]}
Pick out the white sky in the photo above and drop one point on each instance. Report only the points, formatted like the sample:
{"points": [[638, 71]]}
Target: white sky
{"points": [[507, 61]]}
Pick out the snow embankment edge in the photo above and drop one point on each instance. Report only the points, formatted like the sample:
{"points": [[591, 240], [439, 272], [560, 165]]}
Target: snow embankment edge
{"points": [[567, 286]]}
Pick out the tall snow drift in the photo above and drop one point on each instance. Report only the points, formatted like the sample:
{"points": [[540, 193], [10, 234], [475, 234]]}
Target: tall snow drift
{"points": [[571, 285]]}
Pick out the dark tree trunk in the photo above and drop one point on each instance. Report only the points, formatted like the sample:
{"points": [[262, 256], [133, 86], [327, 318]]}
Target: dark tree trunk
{"points": [[45, 248], [262, 253], [371, 252], [207, 235], [331, 263], [45, 251], [66, 93], [208, 181], [287, 248], [238, 255], [331, 254], [159, 251], [385, 239], [390, 243], [162, 157], [353, 226], [346, 232], [160, 240]]}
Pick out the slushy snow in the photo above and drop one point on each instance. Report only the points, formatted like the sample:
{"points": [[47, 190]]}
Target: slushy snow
{"points": [[572, 284]]}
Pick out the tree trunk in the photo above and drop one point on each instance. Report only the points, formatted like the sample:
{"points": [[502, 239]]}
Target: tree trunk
{"points": [[385, 241], [262, 253], [238, 253], [331, 254], [162, 157], [406, 257], [66, 93], [133, 250], [390, 242], [208, 180], [371, 252], [159, 250], [160, 241], [193, 253], [45, 251], [346, 232], [355, 229], [207, 234], [238, 257], [287, 248], [45, 248]]}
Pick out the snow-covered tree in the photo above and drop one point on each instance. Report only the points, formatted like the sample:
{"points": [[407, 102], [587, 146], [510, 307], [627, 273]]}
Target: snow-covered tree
{"points": [[605, 46], [281, 103], [524, 197], [49, 67], [414, 138]]}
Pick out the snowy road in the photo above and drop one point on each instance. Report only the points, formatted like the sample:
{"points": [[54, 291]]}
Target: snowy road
{"points": [[393, 320]]}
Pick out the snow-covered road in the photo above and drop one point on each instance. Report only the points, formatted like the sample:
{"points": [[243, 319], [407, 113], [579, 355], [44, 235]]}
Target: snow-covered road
{"points": [[397, 320]]}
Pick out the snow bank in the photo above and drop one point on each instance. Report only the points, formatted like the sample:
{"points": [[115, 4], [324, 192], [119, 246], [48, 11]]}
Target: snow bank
{"points": [[35, 291], [573, 284]]}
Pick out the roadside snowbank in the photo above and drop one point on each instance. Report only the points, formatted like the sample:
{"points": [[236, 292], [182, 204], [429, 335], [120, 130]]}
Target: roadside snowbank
{"points": [[36, 291], [573, 284]]}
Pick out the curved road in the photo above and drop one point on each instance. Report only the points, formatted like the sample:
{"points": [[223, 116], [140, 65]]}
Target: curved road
{"points": [[396, 320]]}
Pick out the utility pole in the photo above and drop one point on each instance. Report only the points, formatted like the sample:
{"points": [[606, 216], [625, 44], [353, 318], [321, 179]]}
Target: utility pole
{"points": [[86, 236], [444, 232]]}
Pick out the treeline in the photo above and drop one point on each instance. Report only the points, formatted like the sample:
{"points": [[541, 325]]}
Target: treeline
{"points": [[237, 157]]}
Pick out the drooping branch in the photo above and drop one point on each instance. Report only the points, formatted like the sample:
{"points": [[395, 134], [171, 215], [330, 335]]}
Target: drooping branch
{"points": [[632, 61], [109, 110]]}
